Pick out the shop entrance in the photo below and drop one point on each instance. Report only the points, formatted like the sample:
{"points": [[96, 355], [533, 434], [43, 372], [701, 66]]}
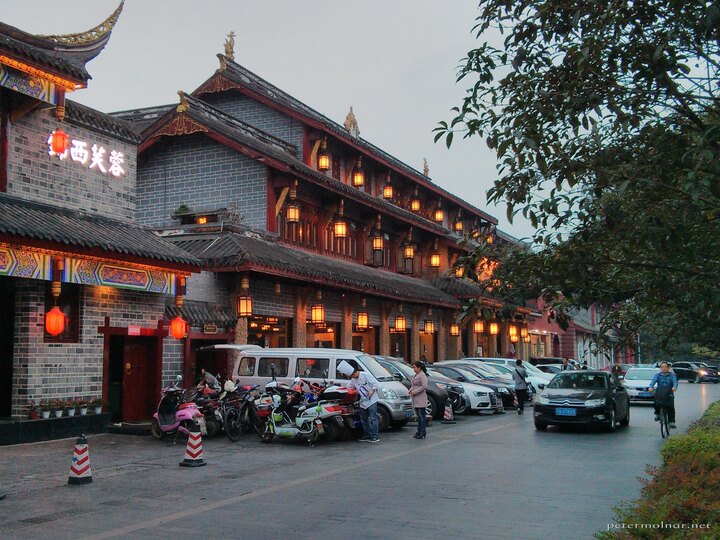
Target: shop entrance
{"points": [[322, 336], [365, 341], [133, 377], [7, 328]]}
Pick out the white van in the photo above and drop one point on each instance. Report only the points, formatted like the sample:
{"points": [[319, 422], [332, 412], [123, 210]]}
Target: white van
{"points": [[255, 365]]}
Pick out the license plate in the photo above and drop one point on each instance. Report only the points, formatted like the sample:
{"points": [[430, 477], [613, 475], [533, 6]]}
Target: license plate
{"points": [[560, 411], [645, 394], [408, 413]]}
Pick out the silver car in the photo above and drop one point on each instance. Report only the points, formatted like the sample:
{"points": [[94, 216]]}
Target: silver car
{"points": [[636, 382]]}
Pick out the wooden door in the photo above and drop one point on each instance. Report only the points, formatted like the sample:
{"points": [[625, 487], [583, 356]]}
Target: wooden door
{"points": [[139, 384]]}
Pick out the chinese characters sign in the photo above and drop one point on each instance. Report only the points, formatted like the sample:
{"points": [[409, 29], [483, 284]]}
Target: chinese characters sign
{"points": [[94, 157]]}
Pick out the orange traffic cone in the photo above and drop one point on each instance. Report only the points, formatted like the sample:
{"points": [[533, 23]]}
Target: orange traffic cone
{"points": [[448, 414], [80, 472], [193, 450]]}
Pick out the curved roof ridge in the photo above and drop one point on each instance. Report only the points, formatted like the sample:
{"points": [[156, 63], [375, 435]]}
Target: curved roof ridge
{"points": [[89, 36]]}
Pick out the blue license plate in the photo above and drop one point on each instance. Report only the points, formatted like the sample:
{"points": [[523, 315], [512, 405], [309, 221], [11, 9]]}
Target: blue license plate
{"points": [[560, 411], [409, 413], [645, 394]]}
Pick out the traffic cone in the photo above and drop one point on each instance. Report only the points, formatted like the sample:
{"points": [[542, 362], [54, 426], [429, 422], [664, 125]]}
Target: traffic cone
{"points": [[80, 472], [448, 414], [193, 450]]}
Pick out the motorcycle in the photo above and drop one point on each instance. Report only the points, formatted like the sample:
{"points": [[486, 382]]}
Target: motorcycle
{"points": [[239, 410], [291, 417], [347, 422], [206, 396], [174, 414]]}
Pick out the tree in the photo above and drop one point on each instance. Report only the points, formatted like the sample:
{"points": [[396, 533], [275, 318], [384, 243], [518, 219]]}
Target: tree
{"points": [[605, 118]]}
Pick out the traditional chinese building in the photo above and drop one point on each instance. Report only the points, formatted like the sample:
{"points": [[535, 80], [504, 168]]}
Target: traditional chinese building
{"points": [[83, 287], [310, 236]]}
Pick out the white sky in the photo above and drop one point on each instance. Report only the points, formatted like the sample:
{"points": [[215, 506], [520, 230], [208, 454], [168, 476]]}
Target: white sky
{"points": [[393, 61]]}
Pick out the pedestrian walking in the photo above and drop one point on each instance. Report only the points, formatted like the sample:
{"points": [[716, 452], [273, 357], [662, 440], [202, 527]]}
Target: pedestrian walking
{"points": [[367, 387], [521, 386], [418, 391]]}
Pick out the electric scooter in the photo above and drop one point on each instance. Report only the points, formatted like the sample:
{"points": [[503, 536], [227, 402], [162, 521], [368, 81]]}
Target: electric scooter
{"points": [[174, 415]]}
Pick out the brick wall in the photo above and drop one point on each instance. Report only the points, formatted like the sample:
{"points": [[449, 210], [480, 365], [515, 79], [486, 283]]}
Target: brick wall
{"points": [[261, 116], [35, 175], [73, 370], [203, 175]]}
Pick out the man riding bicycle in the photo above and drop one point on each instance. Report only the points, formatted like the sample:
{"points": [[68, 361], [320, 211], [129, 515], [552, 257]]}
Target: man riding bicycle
{"points": [[667, 384]]}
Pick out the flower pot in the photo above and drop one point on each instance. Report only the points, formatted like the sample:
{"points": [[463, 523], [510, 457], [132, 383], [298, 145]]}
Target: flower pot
{"points": [[58, 413], [83, 411], [33, 415], [98, 410], [45, 414], [71, 412]]}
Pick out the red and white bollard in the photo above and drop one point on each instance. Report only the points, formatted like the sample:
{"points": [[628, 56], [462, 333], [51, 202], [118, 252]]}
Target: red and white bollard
{"points": [[193, 451], [80, 472]]}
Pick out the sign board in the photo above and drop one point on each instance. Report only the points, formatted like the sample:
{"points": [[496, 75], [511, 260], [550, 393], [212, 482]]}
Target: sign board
{"points": [[210, 329], [133, 330]]}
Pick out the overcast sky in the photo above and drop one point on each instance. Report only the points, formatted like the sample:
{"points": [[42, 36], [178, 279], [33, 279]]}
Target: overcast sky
{"points": [[393, 61]]}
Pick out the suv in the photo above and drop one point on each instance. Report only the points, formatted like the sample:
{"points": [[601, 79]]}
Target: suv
{"points": [[695, 373], [256, 365]]}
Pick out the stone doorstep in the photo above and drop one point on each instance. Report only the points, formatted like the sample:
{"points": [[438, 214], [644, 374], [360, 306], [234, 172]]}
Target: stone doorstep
{"points": [[130, 428]]}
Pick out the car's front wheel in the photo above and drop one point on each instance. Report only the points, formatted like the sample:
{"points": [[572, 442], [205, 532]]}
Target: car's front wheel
{"points": [[433, 409], [540, 426], [612, 421], [384, 418]]}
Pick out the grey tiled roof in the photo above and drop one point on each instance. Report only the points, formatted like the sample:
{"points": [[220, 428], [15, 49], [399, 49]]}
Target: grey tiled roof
{"points": [[253, 82], [459, 288], [142, 118], [101, 122], [200, 313], [231, 251], [21, 219]]}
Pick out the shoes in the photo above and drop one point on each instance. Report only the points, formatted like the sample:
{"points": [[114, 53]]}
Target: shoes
{"points": [[671, 425], [521, 411], [416, 436], [657, 418], [364, 439], [422, 435], [374, 439]]}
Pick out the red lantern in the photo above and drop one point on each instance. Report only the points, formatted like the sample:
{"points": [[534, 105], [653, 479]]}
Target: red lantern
{"points": [[178, 327], [58, 141], [54, 321]]}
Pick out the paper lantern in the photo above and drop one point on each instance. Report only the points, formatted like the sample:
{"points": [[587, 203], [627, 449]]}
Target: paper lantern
{"points": [[435, 260], [409, 251], [454, 330], [58, 141], [415, 204], [494, 329], [523, 332], [340, 228], [244, 306], [458, 226], [323, 157], [400, 323], [178, 327], [317, 314], [358, 177], [439, 215], [377, 243], [388, 191], [293, 212], [429, 327], [479, 327], [362, 320], [54, 321]]}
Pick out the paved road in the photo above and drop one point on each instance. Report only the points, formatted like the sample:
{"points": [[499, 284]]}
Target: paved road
{"points": [[485, 477]]}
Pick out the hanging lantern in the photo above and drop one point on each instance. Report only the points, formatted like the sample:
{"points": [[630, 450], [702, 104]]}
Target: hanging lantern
{"points": [[323, 158], [494, 329], [54, 321], [523, 332], [377, 242], [526, 339], [513, 331], [458, 225], [317, 314], [435, 260], [340, 228], [388, 191], [429, 327], [201, 220], [358, 178], [400, 323], [244, 306], [459, 272], [293, 212], [58, 141], [409, 252], [439, 214], [454, 330], [415, 204], [362, 320], [178, 327], [479, 326], [490, 239]]}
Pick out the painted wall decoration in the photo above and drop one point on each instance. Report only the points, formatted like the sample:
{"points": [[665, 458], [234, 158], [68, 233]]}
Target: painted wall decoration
{"points": [[25, 264], [29, 85], [113, 275]]}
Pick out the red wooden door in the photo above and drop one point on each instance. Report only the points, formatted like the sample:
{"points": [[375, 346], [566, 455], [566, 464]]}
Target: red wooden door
{"points": [[139, 378]]}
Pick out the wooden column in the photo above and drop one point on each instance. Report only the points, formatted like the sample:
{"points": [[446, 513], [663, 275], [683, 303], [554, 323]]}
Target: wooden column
{"points": [[299, 323], [492, 346], [415, 352], [384, 328], [453, 346], [443, 335], [504, 338], [346, 325]]}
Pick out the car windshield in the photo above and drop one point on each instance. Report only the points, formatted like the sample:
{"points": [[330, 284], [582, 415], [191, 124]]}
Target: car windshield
{"points": [[564, 381], [469, 375], [532, 369], [405, 369], [502, 369], [640, 374], [372, 365]]}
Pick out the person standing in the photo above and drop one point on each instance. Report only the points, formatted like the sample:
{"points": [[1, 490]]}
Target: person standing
{"points": [[367, 387], [418, 391], [566, 365], [520, 379]]}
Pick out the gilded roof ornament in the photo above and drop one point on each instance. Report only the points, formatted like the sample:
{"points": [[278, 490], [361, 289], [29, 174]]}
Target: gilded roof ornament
{"points": [[92, 35], [184, 105], [351, 124], [230, 46], [223, 62], [426, 167]]}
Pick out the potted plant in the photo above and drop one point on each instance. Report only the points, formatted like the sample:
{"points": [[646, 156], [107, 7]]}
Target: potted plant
{"points": [[44, 409], [82, 406], [97, 404], [70, 406], [57, 406], [32, 410]]}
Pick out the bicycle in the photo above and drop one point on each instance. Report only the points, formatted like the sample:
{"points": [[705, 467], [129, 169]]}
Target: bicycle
{"points": [[664, 428]]}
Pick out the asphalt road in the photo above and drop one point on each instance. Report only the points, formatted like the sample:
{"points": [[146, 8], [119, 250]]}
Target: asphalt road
{"points": [[484, 477]]}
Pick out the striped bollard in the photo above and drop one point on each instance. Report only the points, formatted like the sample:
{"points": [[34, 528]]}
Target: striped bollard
{"points": [[80, 472], [193, 450]]}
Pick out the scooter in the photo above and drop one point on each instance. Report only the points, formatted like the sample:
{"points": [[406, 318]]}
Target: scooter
{"points": [[174, 415]]}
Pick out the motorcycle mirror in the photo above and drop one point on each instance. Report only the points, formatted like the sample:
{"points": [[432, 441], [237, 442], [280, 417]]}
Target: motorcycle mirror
{"points": [[296, 380], [178, 378]]}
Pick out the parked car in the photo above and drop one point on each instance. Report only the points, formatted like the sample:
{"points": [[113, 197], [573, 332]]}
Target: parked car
{"points": [[510, 363], [623, 368], [695, 373], [582, 397], [544, 360], [504, 389], [256, 365], [437, 386], [636, 381], [481, 397], [551, 369]]}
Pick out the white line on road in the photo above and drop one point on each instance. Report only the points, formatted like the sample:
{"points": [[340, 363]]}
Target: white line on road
{"points": [[265, 491]]}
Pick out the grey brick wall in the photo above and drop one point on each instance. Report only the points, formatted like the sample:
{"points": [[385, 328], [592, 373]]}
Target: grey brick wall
{"points": [[261, 116], [203, 175], [73, 370], [35, 175]]}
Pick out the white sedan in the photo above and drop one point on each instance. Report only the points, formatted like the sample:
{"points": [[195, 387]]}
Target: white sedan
{"points": [[636, 382], [482, 398]]}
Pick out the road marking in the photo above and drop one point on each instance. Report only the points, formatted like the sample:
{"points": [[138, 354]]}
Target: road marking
{"points": [[265, 491]]}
